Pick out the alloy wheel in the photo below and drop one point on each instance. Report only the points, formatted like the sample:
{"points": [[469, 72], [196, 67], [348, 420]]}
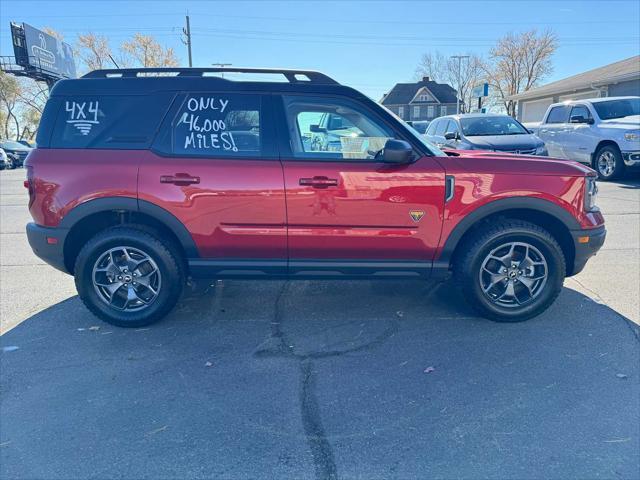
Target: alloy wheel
{"points": [[606, 163], [513, 274], [126, 278]]}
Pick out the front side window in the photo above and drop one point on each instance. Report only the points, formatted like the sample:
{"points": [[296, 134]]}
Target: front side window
{"points": [[483, 126], [580, 111], [559, 114], [218, 125], [432, 127], [441, 127], [360, 137]]}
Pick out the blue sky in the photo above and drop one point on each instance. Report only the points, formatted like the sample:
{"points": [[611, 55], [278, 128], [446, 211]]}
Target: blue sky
{"points": [[369, 45]]}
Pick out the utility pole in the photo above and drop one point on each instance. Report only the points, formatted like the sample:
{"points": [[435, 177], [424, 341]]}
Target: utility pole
{"points": [[459, 58], [187, 32], [222, 65]]}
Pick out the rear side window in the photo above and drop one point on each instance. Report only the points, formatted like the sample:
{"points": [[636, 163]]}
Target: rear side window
{"points": [[109, 121], [217, 125], [559, 114]]}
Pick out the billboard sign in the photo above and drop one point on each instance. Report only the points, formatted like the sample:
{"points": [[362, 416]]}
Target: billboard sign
{"points": [[49, 54]]}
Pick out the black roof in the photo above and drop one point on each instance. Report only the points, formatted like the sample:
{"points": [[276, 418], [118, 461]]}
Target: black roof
{"points": [[403, 93], [144, 80]]}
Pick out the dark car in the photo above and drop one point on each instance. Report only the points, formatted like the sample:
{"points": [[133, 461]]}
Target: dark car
{"points": [[140, 182], [420, 126], [16, 153], [482, 131]]}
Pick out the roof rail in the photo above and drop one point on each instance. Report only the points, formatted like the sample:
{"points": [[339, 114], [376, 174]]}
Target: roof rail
{"points": [[293, 76]]}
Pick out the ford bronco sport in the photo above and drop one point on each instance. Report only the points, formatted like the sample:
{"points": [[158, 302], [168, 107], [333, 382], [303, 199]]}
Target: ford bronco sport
{"points": [[145, 178]]}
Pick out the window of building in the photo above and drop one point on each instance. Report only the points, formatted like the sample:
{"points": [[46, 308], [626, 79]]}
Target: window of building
{"points": [[416, 112], [401, 111], [443, 110], [430, 111]]}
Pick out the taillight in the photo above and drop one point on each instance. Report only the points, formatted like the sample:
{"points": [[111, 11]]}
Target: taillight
{"points": [[29, 184]]}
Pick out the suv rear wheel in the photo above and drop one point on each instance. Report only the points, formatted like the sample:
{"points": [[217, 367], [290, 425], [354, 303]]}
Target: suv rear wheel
{"points": [[608, 163], [128, 277], [511, 271]]}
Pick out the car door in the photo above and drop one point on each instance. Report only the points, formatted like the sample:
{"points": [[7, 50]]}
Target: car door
{"points": [[577, 144], [553, 132], [215, 168], [346, 211]]}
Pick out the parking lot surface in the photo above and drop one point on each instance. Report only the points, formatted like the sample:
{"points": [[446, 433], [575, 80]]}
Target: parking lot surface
{"points": [[322, 379]]}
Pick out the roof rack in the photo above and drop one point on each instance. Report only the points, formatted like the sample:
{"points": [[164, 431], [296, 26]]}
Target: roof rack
{"points": [[293, 76]]}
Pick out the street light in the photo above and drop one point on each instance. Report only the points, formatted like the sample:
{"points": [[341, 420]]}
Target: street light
{"points": [[459, 58]]}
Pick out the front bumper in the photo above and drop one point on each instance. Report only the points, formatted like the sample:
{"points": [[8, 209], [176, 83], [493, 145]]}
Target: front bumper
{"points": [[631, 159], [587, 242], [48, 244]]}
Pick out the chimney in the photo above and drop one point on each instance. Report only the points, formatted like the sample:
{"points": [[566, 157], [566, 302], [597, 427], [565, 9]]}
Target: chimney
{"points": [[425, 79]]}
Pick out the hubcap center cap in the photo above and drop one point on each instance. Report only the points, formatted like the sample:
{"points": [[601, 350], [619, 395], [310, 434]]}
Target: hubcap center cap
{"points": [[127, 278]]}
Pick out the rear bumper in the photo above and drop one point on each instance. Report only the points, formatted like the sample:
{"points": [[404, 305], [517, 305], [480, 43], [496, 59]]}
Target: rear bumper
{"points": [[587, 242], [48, 244], [631, 159]]}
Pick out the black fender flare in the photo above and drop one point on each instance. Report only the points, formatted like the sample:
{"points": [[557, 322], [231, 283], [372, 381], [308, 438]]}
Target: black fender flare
{"points": [[504, 204], [131, 204]]}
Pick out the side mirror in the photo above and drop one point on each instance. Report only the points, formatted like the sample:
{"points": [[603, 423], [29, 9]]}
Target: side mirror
{"points": [[580, 119], [397, 151], [451, 136], [317, 129]]}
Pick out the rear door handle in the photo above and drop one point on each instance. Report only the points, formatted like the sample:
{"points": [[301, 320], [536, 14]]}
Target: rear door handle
{"points": [[319, 182], [179, 179]]}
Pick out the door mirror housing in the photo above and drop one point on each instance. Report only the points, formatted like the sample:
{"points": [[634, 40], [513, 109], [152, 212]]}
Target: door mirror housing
{"points": [[451, 136], [397, 151], [580, 119], [317, 129]]}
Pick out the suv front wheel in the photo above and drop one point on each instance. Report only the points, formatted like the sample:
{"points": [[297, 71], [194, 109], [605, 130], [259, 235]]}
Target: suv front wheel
{"points": [[511, 271], [128, 277]]}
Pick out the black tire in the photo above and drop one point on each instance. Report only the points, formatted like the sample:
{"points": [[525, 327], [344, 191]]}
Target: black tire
{"points": [[475, 251], [600, 165], [165, 258]]}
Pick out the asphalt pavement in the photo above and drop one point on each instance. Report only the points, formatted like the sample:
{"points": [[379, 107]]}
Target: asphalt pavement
{"points": [[354, 380]]}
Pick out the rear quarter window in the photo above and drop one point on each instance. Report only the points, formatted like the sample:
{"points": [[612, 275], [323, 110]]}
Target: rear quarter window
{"points": [[109, 121], [218, 125]]}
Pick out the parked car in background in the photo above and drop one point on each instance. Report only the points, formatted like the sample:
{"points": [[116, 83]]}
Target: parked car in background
{"points": [[420, 126], [27, 143], [601, 132], [3, 159], [483, 131], [16, 153]]}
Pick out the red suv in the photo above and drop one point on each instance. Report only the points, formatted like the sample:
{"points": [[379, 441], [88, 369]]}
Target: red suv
{"points": [[144, 178]]}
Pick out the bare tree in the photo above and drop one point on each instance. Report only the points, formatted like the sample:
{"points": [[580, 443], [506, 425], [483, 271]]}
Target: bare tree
{"points": [[9, 97], [93, 51], [444, 69], [147, 52], [518, 63]]}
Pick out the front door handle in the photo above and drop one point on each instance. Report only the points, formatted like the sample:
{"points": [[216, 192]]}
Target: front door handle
{"points": [[319, 182], [179, 179]]}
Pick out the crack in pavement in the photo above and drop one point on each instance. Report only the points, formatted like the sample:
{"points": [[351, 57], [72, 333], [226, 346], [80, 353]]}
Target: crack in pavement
{"points": [[278, 346]]}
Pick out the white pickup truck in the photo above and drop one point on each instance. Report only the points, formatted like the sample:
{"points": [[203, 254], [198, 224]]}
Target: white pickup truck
{"points": [[602, 132]]}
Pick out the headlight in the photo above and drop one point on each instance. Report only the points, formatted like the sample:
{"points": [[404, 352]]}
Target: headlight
{"points": [[590, 194], [632, 136], [542, 150]]}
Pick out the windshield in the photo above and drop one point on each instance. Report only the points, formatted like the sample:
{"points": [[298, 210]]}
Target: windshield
{"points": [[617, 108], [483, 126], [13, 145]]}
